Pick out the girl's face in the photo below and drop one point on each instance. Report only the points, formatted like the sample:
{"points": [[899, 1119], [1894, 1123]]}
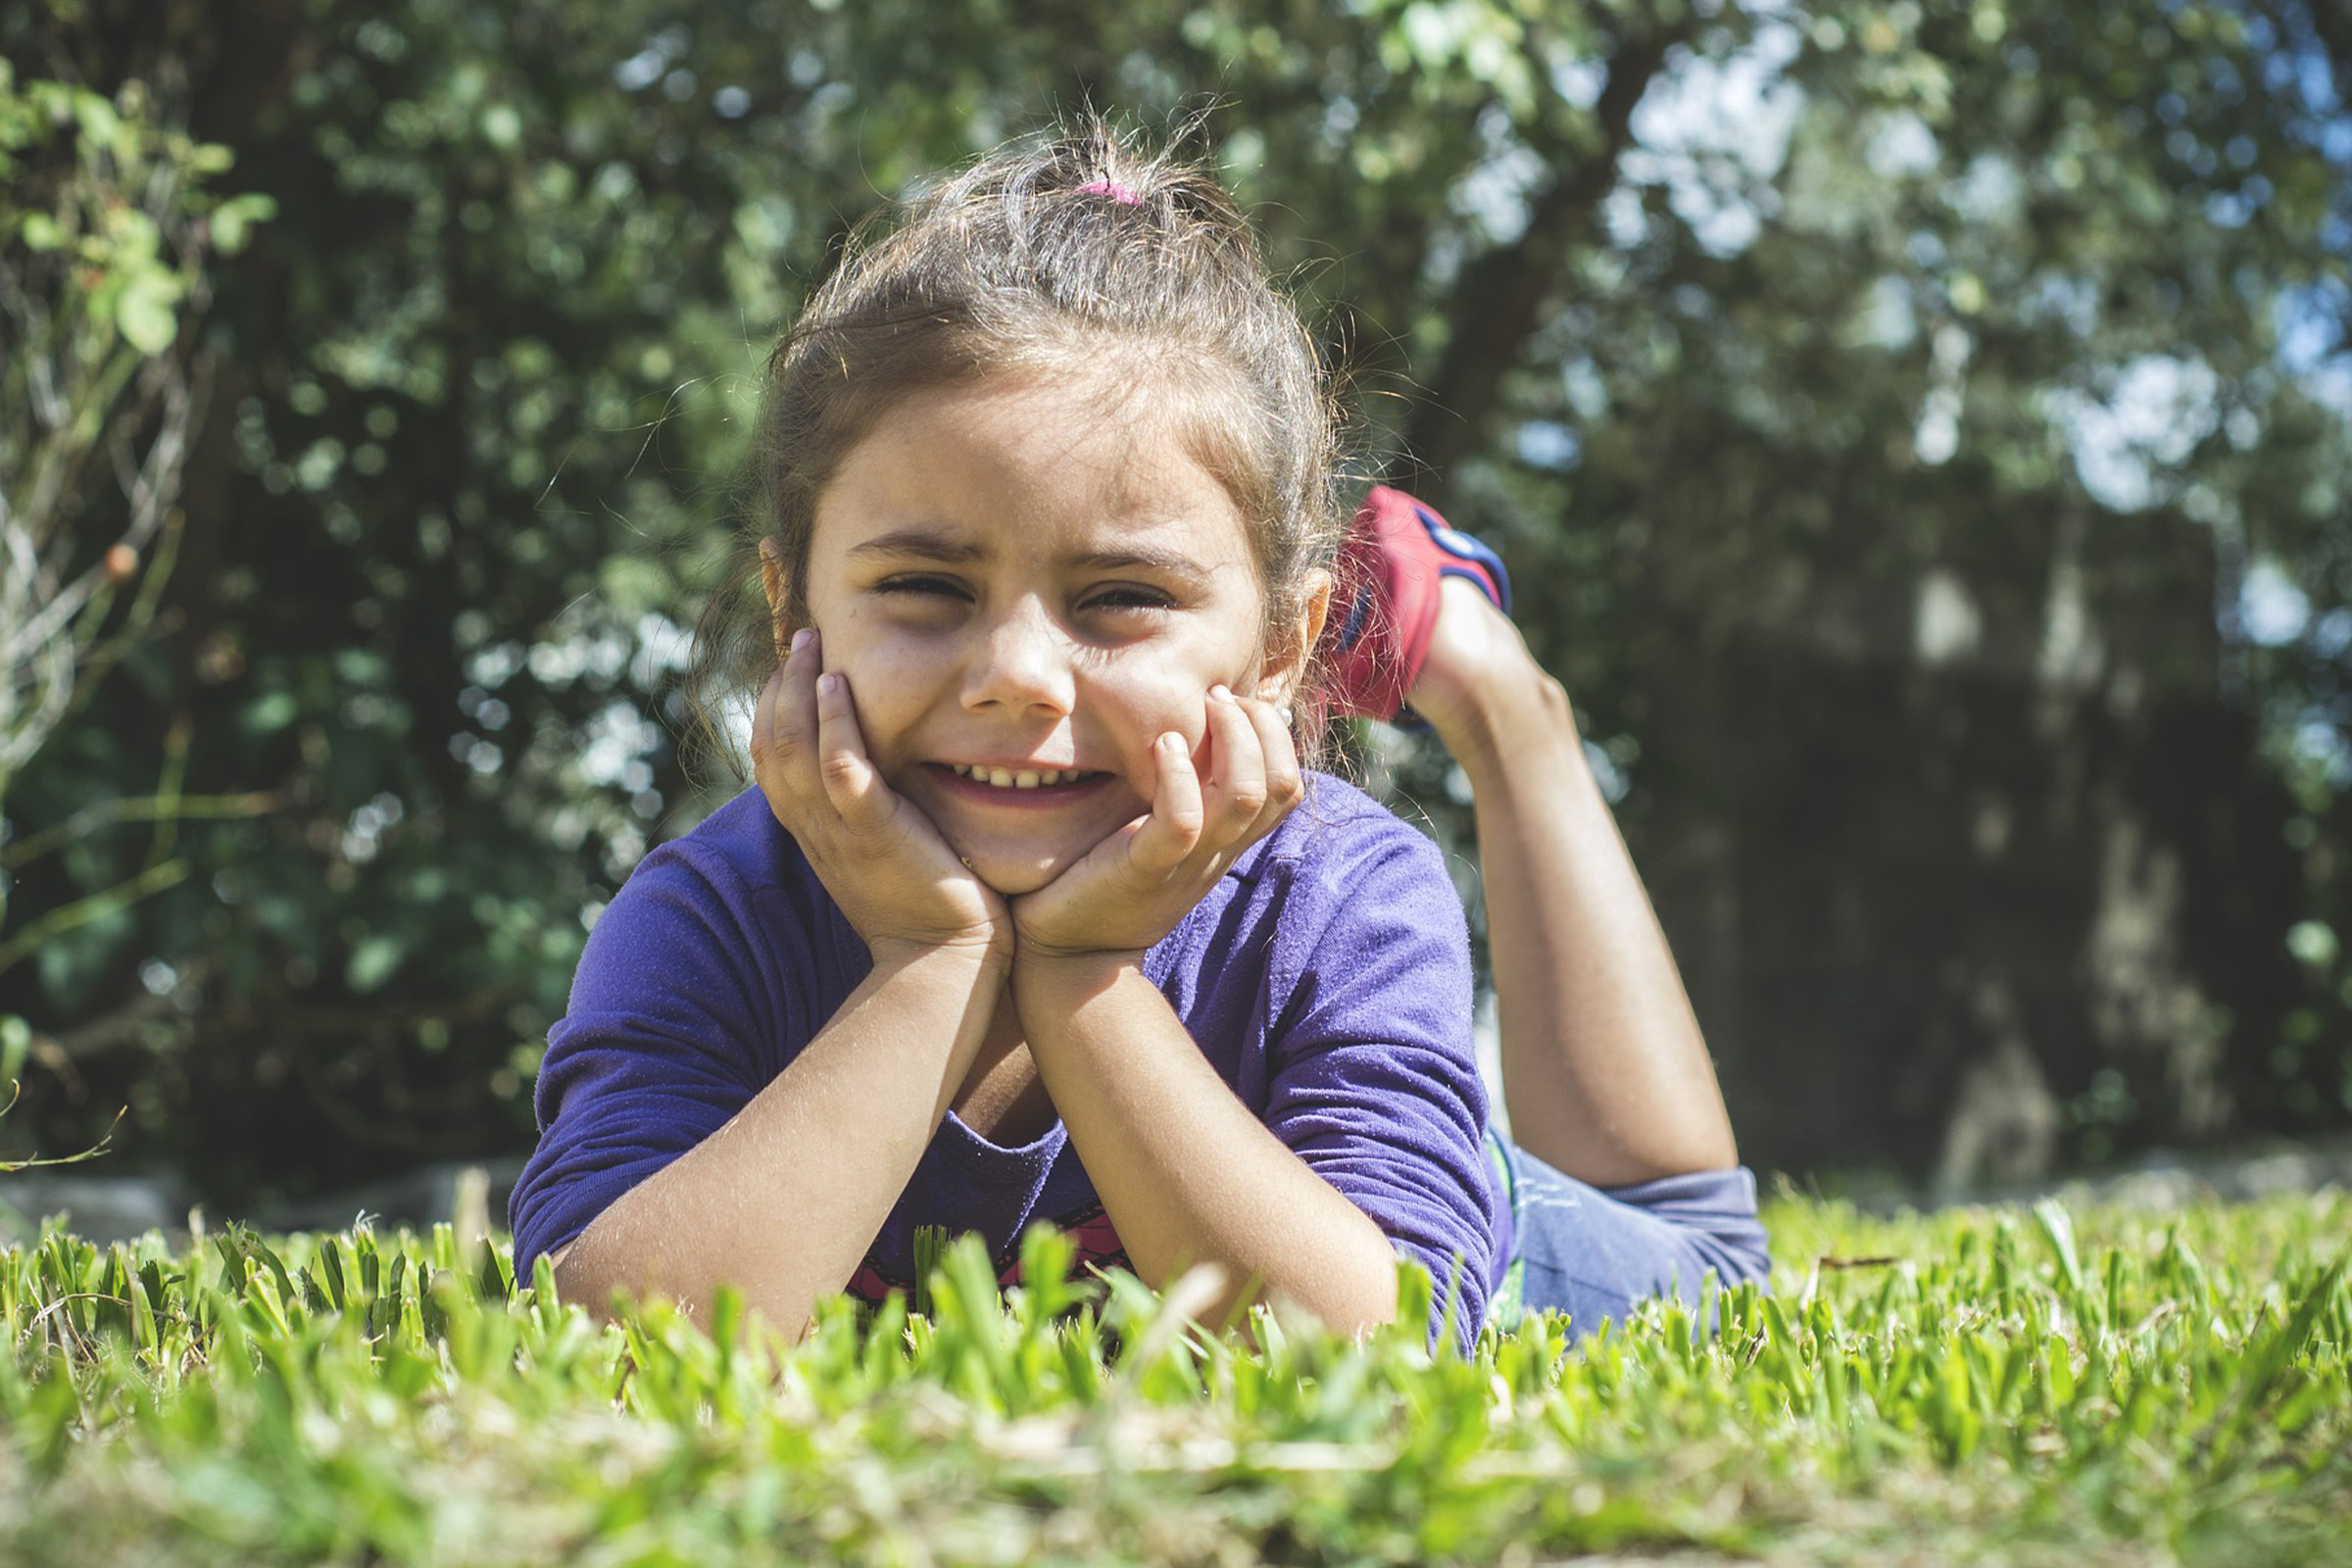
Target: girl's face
{"points": [[1024, 586]]}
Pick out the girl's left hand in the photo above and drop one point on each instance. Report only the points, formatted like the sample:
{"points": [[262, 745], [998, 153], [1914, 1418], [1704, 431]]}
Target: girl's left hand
{"points": [[1133, 886]]}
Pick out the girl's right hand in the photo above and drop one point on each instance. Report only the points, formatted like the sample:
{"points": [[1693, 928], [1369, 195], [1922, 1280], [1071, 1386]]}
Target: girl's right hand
{"points": [[880, 857]]}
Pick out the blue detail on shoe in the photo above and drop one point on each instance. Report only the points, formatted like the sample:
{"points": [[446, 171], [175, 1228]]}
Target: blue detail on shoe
{"points": [[1462, 547]]}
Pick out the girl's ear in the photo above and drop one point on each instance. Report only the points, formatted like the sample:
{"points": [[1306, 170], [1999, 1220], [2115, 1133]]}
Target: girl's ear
{"points": [[772, 580], [1286, 661]]}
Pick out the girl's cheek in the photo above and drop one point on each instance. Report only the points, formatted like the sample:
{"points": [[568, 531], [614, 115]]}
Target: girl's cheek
{"points": [[880, 686], [1154, 704], [1185, 710]]}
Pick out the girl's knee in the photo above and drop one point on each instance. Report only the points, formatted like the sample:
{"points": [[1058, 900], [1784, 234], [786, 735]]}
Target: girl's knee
{"points": [[1740, 1254], [1715, 1211]]}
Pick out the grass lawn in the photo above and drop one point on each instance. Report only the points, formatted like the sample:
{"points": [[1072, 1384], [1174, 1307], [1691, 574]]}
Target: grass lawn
{"points": [[1992, 1385]]}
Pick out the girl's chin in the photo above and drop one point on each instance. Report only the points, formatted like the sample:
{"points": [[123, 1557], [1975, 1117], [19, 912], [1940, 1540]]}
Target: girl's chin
{"points": [[1012, 882], [1013, 872], [1018, 848]]}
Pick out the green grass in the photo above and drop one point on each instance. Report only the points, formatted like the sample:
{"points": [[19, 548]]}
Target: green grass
{"points": [[2012, 1386]]}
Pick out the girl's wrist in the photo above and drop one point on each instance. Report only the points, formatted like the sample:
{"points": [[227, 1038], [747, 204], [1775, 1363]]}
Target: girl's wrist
{"points": [[988, 956], [1071, 976]]}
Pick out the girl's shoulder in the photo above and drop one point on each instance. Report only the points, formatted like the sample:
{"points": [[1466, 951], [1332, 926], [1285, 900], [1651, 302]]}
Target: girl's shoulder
{"points": [[727, 909], [736, 869], [739, 846]]}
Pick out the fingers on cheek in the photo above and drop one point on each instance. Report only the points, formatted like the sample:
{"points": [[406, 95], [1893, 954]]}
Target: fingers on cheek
{"points": [[1178, 801], [1286, 780], [786, 729], [1244, 798], [788, 721], [1224, 731], [1201, 750], [1242, 783]]}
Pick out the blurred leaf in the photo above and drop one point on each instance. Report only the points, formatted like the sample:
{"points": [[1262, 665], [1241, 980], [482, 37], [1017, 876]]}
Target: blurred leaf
{"points": [[145, 310], [233, 220], [373, 962]]}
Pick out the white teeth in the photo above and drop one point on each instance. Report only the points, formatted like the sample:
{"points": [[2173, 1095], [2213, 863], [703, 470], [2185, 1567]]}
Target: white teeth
{"points": [[1026, 778]]}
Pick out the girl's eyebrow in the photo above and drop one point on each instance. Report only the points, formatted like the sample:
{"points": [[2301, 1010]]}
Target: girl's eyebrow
{"points": [[1171, 563], [920, 541], [925, 545]]}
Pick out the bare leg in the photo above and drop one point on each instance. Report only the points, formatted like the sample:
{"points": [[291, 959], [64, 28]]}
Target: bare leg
{"points": [[1603, 1065]]}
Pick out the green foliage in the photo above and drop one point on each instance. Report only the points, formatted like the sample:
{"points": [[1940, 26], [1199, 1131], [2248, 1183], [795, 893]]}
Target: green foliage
{"points": [[1975, 1386], [122, 280], [107, 221], [108, 218]]}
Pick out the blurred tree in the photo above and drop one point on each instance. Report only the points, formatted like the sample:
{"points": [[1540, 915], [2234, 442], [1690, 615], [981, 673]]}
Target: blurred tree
{"points": [[1882, 406], [106, 223], [1935, 443]]}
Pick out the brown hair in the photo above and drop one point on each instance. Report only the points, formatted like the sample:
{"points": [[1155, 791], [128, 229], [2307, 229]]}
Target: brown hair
{"points": [[1078, 249]]}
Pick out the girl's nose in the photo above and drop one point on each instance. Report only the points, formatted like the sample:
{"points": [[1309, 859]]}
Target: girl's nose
{"points": [[1022, 661]]}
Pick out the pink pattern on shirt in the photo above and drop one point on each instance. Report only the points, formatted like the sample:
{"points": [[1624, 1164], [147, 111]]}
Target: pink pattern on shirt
{"points": [[1091, 1233]]}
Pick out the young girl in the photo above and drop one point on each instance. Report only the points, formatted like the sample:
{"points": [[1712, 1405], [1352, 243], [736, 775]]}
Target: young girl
{"points": [[1036, 915]]}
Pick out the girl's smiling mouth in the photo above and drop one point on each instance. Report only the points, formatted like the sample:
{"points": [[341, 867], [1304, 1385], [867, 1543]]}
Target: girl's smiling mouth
{"points": [[1010, 785], [1019, 778]]}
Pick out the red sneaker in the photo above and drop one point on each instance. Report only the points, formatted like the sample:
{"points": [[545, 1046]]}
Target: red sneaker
{"points": [[1385, 603]]}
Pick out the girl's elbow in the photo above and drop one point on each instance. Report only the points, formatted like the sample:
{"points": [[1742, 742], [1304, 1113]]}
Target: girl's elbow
{"points": [[1374, 1298], [580, 1283], [1358, 1297]]}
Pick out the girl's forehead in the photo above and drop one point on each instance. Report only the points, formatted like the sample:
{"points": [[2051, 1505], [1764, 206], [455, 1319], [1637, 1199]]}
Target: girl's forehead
{"points": [[1032, 466]]}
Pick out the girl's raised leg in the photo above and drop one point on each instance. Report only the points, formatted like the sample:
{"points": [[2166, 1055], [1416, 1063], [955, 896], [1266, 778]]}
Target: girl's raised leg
{"points": [[1603, 1065]]}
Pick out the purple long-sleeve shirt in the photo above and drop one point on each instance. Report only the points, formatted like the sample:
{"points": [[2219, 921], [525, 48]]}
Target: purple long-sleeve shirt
{"points": [[1325, 977]]}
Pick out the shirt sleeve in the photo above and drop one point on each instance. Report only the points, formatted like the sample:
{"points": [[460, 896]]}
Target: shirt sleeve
{"points": [[695, 987], [1374, 1082]]}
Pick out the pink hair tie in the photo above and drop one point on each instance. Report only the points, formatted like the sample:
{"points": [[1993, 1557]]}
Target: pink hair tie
{"points": [[1118, 193]]}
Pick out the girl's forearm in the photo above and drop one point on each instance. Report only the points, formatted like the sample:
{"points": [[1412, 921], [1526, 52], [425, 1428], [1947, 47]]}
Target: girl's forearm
{"points": [[783, 1201], [1186, 1173]]}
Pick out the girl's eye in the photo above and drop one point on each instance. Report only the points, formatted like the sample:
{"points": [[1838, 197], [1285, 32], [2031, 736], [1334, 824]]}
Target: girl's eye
{"points": [[1129, 595], [919, 585]]}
